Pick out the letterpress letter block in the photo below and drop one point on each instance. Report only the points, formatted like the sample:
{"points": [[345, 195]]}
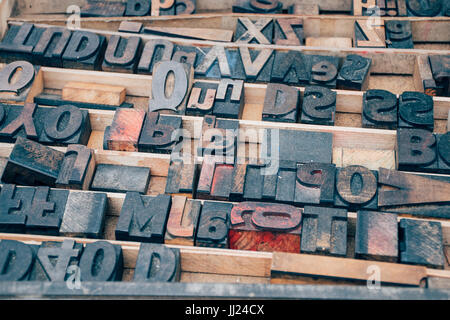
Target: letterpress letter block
{"points": [[416, 150], [143, 218], [379, 110], [443, 143], [117, 178], [18, 43], [50, 48], [137, 8], [440, 66], [219, 138], [18, 121], [230, 99], [123, 134], [163, 8], [324, 231], [354, 74], [315, 183], [421, 243], [289, 32], [170, 86], [101, 261], [324, 71], [376, 236], [416, 110], [265, 227], [292, 68], [16, 261], [399, 34], [254, 31], [363, 7], [15, 204], [54, 260], [131, 27], [46, 212], [319, 106], [213, 225], [256, 64], [154, 51], [84, 51], [157, 263], [202, 98], [183, 221], [186, 54], [185, 7], [31, 163], [257, 6], [84, 215], [182, 178], [356, 188], [281, 103], [77, 168], [122, 54], [159, 134], [213, 63], [369, 35], [66, 125], [95, 8], [17, 81], [423, 76], [429, 8]]}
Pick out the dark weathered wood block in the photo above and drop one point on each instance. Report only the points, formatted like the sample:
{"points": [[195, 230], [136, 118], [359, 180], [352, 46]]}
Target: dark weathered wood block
{"points": [[20, 121], [380, 110], [182, 178], [122, 54], [254, 65], [324, 70], [315, 183], [219, 139], [291, 68], [399, 34], [154, 51], [115, 178], [16, 260], [416, 111], [213, 225], [84, 215], [258, 31], [159, 133], [202, 98], [84, 51], [183, 221], [123, 134], [416, 150], [443, 143], [354, 73], [289, 32], [103, 9], [157, 263], [16, 203], [229, 101], [18, 91], [281, 103], [77, 169], [265, 227], [101, 261], [319, 106], [19, 42]]}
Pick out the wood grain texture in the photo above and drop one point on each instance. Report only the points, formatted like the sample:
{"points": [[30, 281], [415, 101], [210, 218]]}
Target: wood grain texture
{"points": [[94, 93]]}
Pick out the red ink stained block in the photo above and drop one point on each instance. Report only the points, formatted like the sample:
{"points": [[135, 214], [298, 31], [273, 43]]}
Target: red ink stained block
{"points": [[265, 227], [123, 134]]}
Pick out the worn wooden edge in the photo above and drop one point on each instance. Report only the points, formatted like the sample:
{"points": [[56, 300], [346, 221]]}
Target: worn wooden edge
{"points": [[6, 8]]}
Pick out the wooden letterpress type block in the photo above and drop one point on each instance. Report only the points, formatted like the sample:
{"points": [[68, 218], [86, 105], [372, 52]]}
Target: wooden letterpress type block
{"points": [[216, 180], [159, 133], [201, 100], [376, 236], [219, 138], [324, 70], [18, 122], [31, 163], [292, 68], [163, 8], [137, 8], [443, 147], [238, 182], [369, 35], [170, 86], [184, 7], [84, 215], [399, 34], [265, 227], [380, 110], [157, 263], [121, 54], [355, 72], [154, 51], [315, 183], [19, 81], [319, 106], [256, 64], [257, 6], [289, 32], [101, 261], [281, 103], [423, 76], [446, 8], [50, 48], [130, 27], [143, 218], [124, 133], [19, 42], [77, 168], [416, 150], [103, 9], [186, 54], [297, 146], [213, 63], [15, 206], [440, 66], [116, 178], [54, 260], [206, 177], [363, 7], [254, 183], [356, 187], [286, 180], [181, 178], [16, 261], [84, 51], [416, 111], [66, 125], [183, 221], [230, 99], [421, 243], [388, 8], [324, 231], [430, 8], [46, 211], [213, 225]]}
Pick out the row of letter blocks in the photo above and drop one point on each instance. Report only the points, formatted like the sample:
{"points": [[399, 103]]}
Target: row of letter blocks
{"points": [[394, 8], [99, 261]]}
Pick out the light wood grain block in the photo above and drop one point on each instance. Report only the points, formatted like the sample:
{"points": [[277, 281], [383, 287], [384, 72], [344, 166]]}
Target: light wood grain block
{"points": [[330, 42], [94, 93]]}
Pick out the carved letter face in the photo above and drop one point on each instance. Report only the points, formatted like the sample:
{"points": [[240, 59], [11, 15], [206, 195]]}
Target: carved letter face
{"points": [[281, 103], [416, 110], [101, 261], [213, 225], [157, 263], [355, 72], [379, 109], [319, 106], [16, 260]]}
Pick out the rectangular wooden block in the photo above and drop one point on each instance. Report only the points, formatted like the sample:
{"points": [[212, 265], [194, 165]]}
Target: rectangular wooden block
{"points": [[124, 133], [213, 225], [354, 73], [84, 51], [380, 110], [182, 178], [167, 260], [118, 178], [77, 169], [183, 221], [315, 183], [19, 82], [330, 42], [423, 77], [377, 236], [159, 133], [265, 227], [16, 203], [94, 93], [416, 150]]}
